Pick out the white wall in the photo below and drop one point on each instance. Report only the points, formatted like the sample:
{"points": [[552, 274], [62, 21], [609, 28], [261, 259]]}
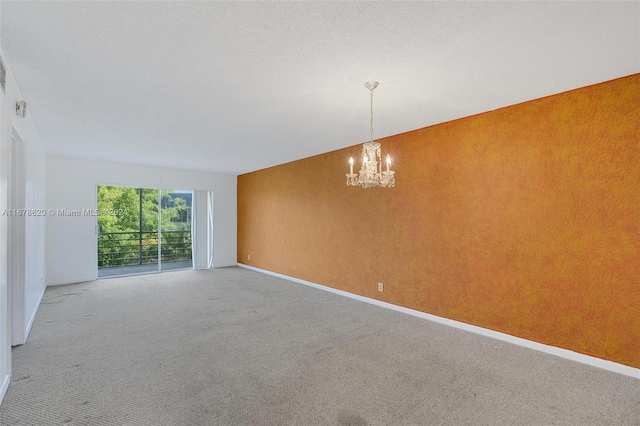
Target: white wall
{"points": [[71, 184], [28, 293]]}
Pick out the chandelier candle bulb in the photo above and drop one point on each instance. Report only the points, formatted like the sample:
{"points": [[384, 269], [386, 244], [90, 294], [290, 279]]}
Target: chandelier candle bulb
{"points": [[351, 165], [388, 162]]}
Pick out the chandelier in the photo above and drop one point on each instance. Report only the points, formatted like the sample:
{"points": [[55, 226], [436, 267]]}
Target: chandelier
{"points": [[371, 174]]}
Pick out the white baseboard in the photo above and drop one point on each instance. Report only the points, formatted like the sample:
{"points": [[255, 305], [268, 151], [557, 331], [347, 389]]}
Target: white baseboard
{"points": [[72, 281], [19, 337], [552, 350], [4, 387], [33, 315]]}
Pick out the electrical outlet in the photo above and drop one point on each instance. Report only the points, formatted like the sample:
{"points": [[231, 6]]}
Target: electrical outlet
{"points": [[248, 257], [380, 287]]}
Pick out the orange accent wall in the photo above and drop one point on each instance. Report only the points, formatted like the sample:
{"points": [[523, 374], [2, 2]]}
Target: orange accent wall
{"points": [[524, 220]]}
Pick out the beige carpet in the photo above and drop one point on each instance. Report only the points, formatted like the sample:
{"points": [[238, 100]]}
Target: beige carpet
{"points": [[235, 347]]}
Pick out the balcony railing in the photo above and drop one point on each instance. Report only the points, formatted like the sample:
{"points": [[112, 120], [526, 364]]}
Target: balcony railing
{"points": [[141, 247]]}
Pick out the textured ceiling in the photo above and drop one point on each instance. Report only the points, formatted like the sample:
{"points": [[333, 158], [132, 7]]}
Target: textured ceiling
{"points": [[239, 86]]}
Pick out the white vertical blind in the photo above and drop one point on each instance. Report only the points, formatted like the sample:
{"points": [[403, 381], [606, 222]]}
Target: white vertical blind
{"points": [[202, 229], [210, 229]]}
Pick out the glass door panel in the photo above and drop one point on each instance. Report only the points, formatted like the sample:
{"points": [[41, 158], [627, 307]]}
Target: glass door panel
{"points": [[176, 250], [176, 229], [118, 229], [148, 251], [127, 230]]}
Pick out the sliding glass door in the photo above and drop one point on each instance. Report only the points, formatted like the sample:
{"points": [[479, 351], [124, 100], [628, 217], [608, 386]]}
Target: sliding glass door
{"points": [[142, 230]]}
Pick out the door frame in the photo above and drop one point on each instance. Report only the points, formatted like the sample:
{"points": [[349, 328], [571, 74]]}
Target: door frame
{"points": [[16, 235]]}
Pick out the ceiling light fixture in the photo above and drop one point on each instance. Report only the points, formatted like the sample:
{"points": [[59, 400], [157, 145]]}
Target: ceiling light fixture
{"points": [[371, 174]]}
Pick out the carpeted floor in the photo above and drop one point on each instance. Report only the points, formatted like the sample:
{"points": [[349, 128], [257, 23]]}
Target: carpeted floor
{"points": [[236, 347]]}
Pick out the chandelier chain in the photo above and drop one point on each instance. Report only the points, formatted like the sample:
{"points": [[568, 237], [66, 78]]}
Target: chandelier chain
{"points": [[371, 90]]}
